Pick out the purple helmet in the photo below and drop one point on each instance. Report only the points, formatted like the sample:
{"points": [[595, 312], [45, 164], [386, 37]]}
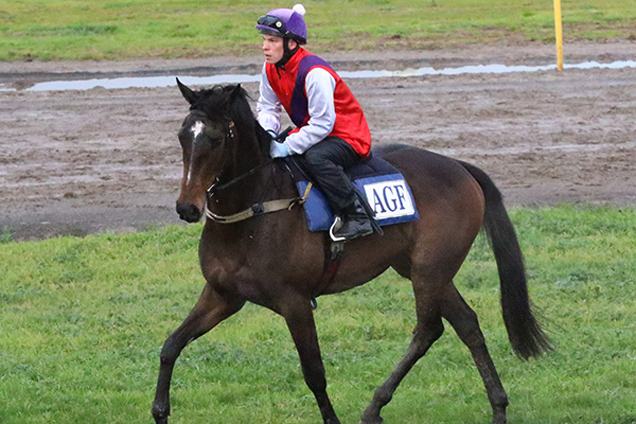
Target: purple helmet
{"points": [[286, 23]]}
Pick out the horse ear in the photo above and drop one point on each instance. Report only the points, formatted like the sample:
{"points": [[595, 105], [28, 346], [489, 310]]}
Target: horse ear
{"points": [[187, 93], [233, 95], [237, 90]]}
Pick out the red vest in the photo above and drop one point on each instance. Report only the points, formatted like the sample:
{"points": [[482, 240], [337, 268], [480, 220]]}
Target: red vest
{"points": [[289, 86]]}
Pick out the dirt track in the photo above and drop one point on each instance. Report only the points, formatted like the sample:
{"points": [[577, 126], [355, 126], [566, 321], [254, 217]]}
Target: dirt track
{"points": [[76, 162]]}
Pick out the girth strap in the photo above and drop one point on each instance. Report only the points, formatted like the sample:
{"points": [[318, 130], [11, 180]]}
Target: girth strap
{"points": [[332, 265]]}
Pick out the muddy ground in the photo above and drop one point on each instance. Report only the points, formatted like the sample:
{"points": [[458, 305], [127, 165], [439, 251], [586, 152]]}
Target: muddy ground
{"points": [[78, 162]]}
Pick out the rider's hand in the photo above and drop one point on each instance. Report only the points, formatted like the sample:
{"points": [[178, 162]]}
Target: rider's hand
{"points": [[279, 150]]}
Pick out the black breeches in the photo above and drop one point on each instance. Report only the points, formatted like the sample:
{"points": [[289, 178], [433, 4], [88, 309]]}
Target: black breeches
{"points": [[327, 161]]}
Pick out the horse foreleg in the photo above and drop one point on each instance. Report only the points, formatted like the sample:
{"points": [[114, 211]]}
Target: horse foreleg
{"points": [[464, 321], [429, 328], [300, 320], [211, 309]]}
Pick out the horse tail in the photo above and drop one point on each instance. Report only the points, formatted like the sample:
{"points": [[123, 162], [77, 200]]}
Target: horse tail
{"points": [[524, 332]]}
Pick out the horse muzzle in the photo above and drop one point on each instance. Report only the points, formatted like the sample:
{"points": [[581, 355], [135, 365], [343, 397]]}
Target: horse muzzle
{"points": [[189, 212]]}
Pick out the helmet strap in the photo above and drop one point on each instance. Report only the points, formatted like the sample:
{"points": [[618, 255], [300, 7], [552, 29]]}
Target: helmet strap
{"points": [[287, 53]]}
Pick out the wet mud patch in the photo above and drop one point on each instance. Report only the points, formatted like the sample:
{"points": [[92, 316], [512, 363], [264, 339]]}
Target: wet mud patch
{"points": [[78, 162]]}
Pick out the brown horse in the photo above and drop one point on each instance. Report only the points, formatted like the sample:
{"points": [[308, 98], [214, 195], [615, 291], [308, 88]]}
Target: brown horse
{"points": [[271, 259]]}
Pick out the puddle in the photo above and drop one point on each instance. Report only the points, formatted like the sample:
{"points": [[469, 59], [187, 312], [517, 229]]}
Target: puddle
{"points": [[143, 82], [163, 81]]}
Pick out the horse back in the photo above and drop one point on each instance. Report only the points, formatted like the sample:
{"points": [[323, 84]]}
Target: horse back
{"points": [[433, 177], [448, 198]]}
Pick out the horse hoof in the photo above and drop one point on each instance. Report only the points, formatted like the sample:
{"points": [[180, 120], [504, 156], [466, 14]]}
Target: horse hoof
{"points": [[160, 415], [161, 420], [500, 420]]}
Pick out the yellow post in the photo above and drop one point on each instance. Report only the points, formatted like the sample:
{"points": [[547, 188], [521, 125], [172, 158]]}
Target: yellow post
{"points": [[558, 26]]}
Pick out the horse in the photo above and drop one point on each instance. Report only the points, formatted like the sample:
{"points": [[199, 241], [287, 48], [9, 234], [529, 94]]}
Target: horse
{"points": [[271, 259]]}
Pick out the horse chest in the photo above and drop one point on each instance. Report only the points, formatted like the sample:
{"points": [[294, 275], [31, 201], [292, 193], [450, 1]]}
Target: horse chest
{"points": [[234, 275]]}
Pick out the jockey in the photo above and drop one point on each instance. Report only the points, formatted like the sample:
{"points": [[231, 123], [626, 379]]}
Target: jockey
{"points": [[332, 133]]}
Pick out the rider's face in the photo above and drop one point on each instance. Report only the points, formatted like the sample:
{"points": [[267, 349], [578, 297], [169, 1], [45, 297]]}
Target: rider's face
{"points": [[273, 48]]}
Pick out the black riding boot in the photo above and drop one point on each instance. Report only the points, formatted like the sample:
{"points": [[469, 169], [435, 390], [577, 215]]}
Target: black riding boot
{"points": [[352, 223]]}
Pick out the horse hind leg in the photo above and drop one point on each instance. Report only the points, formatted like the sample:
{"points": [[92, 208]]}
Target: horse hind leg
{"points": [[210, 310], [429, 328], [464, 320]]}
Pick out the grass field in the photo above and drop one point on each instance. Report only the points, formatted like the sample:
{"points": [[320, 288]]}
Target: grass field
{"points": [[123, 29], [83, 320]]}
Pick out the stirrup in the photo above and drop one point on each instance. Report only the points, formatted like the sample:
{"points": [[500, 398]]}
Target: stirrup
{"points": [[337, 224]]}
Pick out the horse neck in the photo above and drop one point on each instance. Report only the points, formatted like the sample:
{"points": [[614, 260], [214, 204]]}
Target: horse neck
{"points": [[243, 153], [242, 156]]}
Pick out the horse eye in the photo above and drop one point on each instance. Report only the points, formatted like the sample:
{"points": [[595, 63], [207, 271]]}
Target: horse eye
{"points": [[212, 137], [215, 142]]}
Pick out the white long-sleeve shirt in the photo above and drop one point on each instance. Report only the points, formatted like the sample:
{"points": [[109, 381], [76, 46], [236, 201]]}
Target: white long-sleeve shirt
{"points": [[320, 87]]}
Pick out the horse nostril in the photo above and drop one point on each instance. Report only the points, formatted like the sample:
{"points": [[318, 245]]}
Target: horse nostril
{"points": [[188, 212]]}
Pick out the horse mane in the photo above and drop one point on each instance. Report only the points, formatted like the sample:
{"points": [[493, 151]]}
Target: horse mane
{"points": [[216, 99]]}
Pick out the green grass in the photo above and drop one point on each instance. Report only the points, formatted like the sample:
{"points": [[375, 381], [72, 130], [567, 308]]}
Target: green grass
{"points": [[123, 29], [83, 319]]}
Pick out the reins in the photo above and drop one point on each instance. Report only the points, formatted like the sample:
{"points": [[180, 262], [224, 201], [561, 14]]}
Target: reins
{"points": [[230, 183]]}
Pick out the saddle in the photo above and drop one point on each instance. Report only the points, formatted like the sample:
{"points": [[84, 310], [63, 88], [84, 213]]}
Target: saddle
{"points": [[379, 184]]}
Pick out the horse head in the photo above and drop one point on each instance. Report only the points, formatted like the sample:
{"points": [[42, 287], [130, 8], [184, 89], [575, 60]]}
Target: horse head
{"points": [[207, 136]]}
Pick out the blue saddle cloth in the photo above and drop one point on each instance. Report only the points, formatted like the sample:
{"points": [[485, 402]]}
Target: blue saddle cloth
{"points": [[376, 180]]}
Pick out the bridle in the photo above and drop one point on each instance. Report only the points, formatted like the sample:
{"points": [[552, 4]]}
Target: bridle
{"points": [[258, 208]]}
